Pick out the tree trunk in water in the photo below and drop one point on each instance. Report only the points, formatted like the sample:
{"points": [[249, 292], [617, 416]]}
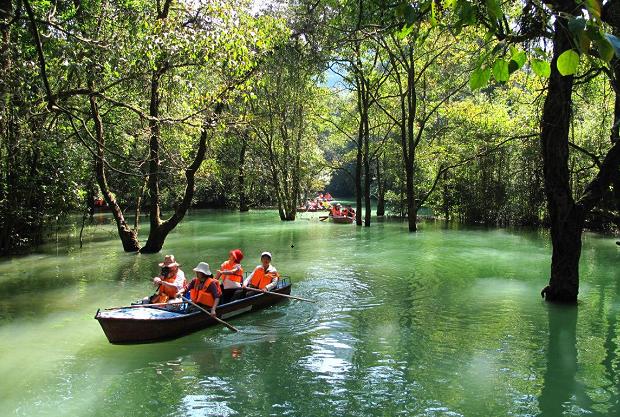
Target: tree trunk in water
{"points": [[158, 236], [359, 156], [380, 192], [154, 209], [128, 237], [411, 208], [367, 206], [243, 205], [565, 216], [446, 197]]}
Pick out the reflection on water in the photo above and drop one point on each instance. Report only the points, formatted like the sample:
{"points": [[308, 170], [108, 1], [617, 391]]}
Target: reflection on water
{"points": [[445, 322]]}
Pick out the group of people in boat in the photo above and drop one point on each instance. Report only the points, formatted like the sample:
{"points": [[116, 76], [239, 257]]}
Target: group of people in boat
{"points": [[208, 289], [320, 202], [338, 210]]}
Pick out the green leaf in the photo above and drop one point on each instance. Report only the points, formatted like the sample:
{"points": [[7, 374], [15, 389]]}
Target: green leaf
{"points": [[495, 11], [512, 66], [404, 32], [540, 67], [568, 62], [433, 14], [584, 41], [479, 78], [577, 25], [500, 71], [615, 43], [594, 8], [605, 49], [519, 57]]}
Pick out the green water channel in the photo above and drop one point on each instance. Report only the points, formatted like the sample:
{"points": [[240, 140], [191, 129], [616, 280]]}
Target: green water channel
{"points": [[444, 322]]}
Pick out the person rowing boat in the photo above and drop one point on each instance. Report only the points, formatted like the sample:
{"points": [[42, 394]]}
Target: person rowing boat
{"points": [[264, 277], [204, 290], [170, 282]]}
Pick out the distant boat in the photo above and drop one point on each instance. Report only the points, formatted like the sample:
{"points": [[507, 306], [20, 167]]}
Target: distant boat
{"points": [[135, 324], [342, 219]]}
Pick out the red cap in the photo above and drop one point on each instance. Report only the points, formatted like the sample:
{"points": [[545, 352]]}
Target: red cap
{"points": [[237, 254]]}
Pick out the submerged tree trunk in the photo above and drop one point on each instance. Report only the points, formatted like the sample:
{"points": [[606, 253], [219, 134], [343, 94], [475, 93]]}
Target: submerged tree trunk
{"points": [[565, 216], [359, 160], [157, 238], [367, 206], [128, 237], [243, 205], [380, 190]]}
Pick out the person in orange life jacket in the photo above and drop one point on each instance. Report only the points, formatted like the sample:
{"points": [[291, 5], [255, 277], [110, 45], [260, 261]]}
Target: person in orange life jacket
{"points": [[350, 211], [336, 210], [231, 273], [264, 277], [170, 282], [204, 289]]}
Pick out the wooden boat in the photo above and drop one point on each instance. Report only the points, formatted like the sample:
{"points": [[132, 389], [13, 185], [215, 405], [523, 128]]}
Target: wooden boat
{"points": [[342, 219], [135, 324]]}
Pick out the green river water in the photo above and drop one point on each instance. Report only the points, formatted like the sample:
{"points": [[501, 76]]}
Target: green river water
{"points": [[444, 322]]}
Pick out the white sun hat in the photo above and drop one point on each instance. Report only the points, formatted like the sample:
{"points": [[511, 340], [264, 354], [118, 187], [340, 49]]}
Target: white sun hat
{"points": [[266, 254], [204, 268]]}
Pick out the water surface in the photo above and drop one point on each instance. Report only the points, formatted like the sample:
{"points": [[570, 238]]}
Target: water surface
{"points": [[444, 322]]}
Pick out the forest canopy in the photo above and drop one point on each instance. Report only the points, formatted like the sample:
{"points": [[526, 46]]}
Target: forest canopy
{"points": [[487, 112]]}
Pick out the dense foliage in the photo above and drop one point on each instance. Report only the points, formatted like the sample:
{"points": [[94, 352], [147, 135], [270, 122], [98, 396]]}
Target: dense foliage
{"points": [[487, 111]]}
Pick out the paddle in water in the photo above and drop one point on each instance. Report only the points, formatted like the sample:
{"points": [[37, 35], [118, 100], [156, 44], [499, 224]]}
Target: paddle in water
{"points": [[231, 327]]}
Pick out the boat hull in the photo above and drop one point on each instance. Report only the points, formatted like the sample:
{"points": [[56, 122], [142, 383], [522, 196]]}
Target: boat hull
{"points": [[164, 325], [342, 219]]}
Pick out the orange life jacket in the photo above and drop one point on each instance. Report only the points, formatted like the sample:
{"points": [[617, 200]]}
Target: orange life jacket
{"points": [[200, 294], [165, 292], [228, 266], [260, 279]]}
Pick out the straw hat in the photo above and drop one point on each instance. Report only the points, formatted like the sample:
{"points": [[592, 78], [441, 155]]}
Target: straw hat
{"points": [[266, 254], [204, 268], [169, 261]]}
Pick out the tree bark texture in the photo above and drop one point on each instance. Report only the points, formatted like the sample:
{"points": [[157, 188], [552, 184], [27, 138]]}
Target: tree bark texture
{"points": [[565, 216]]}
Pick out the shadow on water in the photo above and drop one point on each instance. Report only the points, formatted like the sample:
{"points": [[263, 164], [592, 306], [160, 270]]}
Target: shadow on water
{"points": [[564, 391], [559, 379]]}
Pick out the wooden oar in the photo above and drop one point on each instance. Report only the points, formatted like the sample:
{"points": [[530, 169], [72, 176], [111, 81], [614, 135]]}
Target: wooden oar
{"points": [[283, 295], [321, 218], [143, 305], [230, 326]]}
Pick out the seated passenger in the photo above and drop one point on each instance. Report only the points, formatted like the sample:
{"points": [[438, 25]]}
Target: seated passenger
{"points": [[336, 210], [264, 277], [170, 282], [231, 273], [204, 289]]}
